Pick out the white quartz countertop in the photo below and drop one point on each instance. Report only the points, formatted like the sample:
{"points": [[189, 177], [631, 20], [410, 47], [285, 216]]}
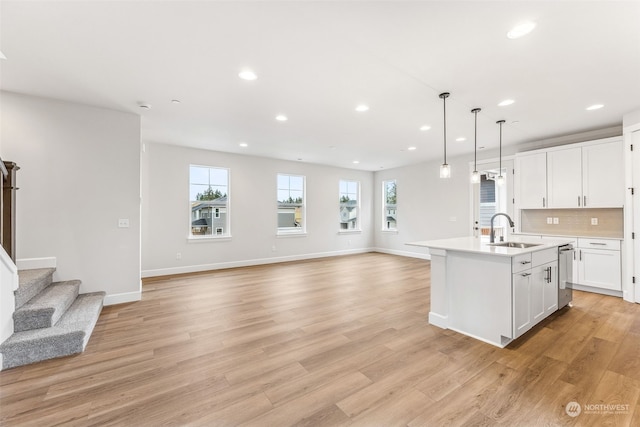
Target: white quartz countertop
{"points": [[482, 246]]}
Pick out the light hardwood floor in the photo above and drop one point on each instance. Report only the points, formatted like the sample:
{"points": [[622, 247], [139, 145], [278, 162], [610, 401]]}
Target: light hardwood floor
{"points": [[329, 342]]}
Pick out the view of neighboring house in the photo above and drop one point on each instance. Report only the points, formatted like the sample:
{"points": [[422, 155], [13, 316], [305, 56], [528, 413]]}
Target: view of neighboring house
{"points": [[208, 217], [349, 215], [289, 215], [390, 215]]}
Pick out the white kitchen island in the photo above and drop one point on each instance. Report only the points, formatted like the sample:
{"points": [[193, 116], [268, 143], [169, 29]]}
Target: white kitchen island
{"points": [[492, 293]]}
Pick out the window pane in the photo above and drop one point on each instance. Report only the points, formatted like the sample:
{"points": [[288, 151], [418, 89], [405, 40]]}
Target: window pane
{"points": [[290, 193], [349, 205], [389, 208], [209, 200]]}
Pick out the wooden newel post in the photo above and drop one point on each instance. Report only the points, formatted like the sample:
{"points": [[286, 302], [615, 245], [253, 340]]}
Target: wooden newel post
{"points": [[9, 208]]}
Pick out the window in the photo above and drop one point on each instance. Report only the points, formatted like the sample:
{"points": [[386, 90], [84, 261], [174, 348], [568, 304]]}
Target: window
{"points": [[209, 201], [291, 202], [389, 205], [349, 205]]}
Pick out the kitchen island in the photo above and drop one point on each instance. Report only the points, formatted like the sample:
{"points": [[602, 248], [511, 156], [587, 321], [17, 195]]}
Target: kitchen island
{"points": [[491, 292]]}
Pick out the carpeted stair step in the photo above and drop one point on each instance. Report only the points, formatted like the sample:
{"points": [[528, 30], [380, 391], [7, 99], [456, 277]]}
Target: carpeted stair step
{"points": [[69, 336], [31, 283], [46, 308]]}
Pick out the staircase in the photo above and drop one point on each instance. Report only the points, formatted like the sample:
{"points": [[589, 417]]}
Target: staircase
{"points": [[51, 319]]}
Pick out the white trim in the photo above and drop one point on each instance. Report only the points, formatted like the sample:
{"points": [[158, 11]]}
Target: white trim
{"points": [[248, 263], [389, 231], [596, 290], [438, 320], [32, 263], [350, 231], [282, 233], [209, 238], [122, 298], [402, 253]]}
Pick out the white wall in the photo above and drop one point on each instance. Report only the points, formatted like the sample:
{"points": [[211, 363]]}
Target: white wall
{"points": [[80, 173], [166, 212], [428, 207]]}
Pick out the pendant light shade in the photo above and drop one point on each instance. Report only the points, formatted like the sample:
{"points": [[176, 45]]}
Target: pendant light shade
{"points": [[445, 170], [500, 179], [475, 175]]}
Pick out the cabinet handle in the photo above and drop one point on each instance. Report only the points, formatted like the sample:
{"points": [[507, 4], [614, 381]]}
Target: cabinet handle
{"points": [[543, 203], [580, 254], [525, 262], [598, 244], [584, 203], [525, 274], [578, 201]]}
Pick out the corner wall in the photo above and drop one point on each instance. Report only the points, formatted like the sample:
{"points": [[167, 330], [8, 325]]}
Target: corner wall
{"points": [[253, 200], [79, 173]]}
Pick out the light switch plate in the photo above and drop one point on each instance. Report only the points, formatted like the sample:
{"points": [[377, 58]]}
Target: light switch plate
{"points": [[556, 221], [549, 220], [594, 221]]}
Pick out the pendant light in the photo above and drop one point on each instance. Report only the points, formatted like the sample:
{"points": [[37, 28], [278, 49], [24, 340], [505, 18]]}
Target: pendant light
{"points": [[445, 170], [475, 175], [500, 179]]}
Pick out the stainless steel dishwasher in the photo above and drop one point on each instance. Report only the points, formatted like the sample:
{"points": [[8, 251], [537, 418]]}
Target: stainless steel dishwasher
{"points": [[566, 254]]}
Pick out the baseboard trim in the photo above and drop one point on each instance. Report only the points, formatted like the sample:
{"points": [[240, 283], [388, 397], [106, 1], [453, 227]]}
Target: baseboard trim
{"points": [[32, 263], [122, 298], [593, 289], [247, 263], [402, 253]]}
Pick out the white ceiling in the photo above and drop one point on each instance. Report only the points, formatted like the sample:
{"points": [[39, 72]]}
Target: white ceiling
{"points": [[316, 61]]}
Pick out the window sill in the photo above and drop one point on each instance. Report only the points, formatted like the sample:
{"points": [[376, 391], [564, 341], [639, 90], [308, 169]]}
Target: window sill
{"points": [[281, 233], [200, 239], [386, 231], [349, 231]]}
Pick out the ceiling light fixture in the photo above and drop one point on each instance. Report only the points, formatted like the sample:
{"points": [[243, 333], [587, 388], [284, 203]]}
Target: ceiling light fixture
{"points": [[144, 106], [475, 175], [594, 107], [243, 145], [425, 127], [412, 148], [281, 118], [247, 75], [362, 108], [500, 178], [506, 102], [521, 30], [460, 139], [355, 162], [445, 170]]}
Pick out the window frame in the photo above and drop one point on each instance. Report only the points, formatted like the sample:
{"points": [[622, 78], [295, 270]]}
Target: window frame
{"points": [[358, 194], [385, 206], [226, 227], [292, 231]]}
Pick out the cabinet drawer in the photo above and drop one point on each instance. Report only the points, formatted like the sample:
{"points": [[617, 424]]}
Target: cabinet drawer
{"points": [[521, 262], [543, 257], [610, 244]]}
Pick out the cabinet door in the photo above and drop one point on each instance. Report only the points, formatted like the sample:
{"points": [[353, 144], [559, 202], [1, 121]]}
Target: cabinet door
{"points": [[550, 288], [603, 175], [521, 303], [564, 178], [531, 181], [599, 268], [538, 277]]}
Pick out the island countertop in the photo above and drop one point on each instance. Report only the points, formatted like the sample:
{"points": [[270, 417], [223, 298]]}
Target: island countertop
{"points": [[479, 245]]}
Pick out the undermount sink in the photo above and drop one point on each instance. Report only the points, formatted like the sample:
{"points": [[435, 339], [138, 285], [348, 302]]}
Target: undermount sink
{"points": [[519, 245]]}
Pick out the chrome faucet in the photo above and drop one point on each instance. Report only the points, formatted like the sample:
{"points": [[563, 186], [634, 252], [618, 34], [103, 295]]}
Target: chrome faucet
{"points": [[511, 224]]}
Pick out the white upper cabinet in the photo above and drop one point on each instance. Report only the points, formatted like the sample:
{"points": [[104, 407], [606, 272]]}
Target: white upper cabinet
{"points": [[531, 181], [564, 178], [589, 175], [603, 175]]}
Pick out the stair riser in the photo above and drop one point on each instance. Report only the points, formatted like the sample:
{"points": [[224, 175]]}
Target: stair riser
{"points": [[25, 292]]}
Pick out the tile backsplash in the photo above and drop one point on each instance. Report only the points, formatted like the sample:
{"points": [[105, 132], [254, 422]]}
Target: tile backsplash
{"points": [[574, 222]]}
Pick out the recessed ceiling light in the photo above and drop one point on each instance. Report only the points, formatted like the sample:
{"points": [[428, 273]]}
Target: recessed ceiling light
{"points": [[521, 30], [515, 122], [462, 138], [243, 144], [506, 102], [361, 108], [144, 106], [481, 147], [594, 107], [411, 148], [425, 127], [355, 162], [175, 101], [247, 75], [281, 118]]}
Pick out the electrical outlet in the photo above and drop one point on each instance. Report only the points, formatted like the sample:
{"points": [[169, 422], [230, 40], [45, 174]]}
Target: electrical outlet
{"points": [[179, 255], [273, 248], [594, 221], [556, 221], [123, 223], [549, 220]]}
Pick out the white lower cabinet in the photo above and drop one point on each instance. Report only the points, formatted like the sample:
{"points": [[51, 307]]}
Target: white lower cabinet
{"points": [[599, 263], [535, 289]]}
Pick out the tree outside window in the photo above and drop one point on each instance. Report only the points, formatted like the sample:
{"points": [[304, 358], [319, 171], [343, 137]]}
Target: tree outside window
{"points": [[390, 205], [349, 205], [291, 203], [209, 201]]}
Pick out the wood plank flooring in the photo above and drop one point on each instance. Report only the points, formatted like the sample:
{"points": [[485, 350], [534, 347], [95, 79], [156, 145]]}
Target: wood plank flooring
{"points": [[331, 342]]}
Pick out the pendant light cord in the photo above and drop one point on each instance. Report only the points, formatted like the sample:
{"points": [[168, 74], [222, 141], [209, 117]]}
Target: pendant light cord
{"points": [[444, 97], [500, 122], [475, 111]]}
